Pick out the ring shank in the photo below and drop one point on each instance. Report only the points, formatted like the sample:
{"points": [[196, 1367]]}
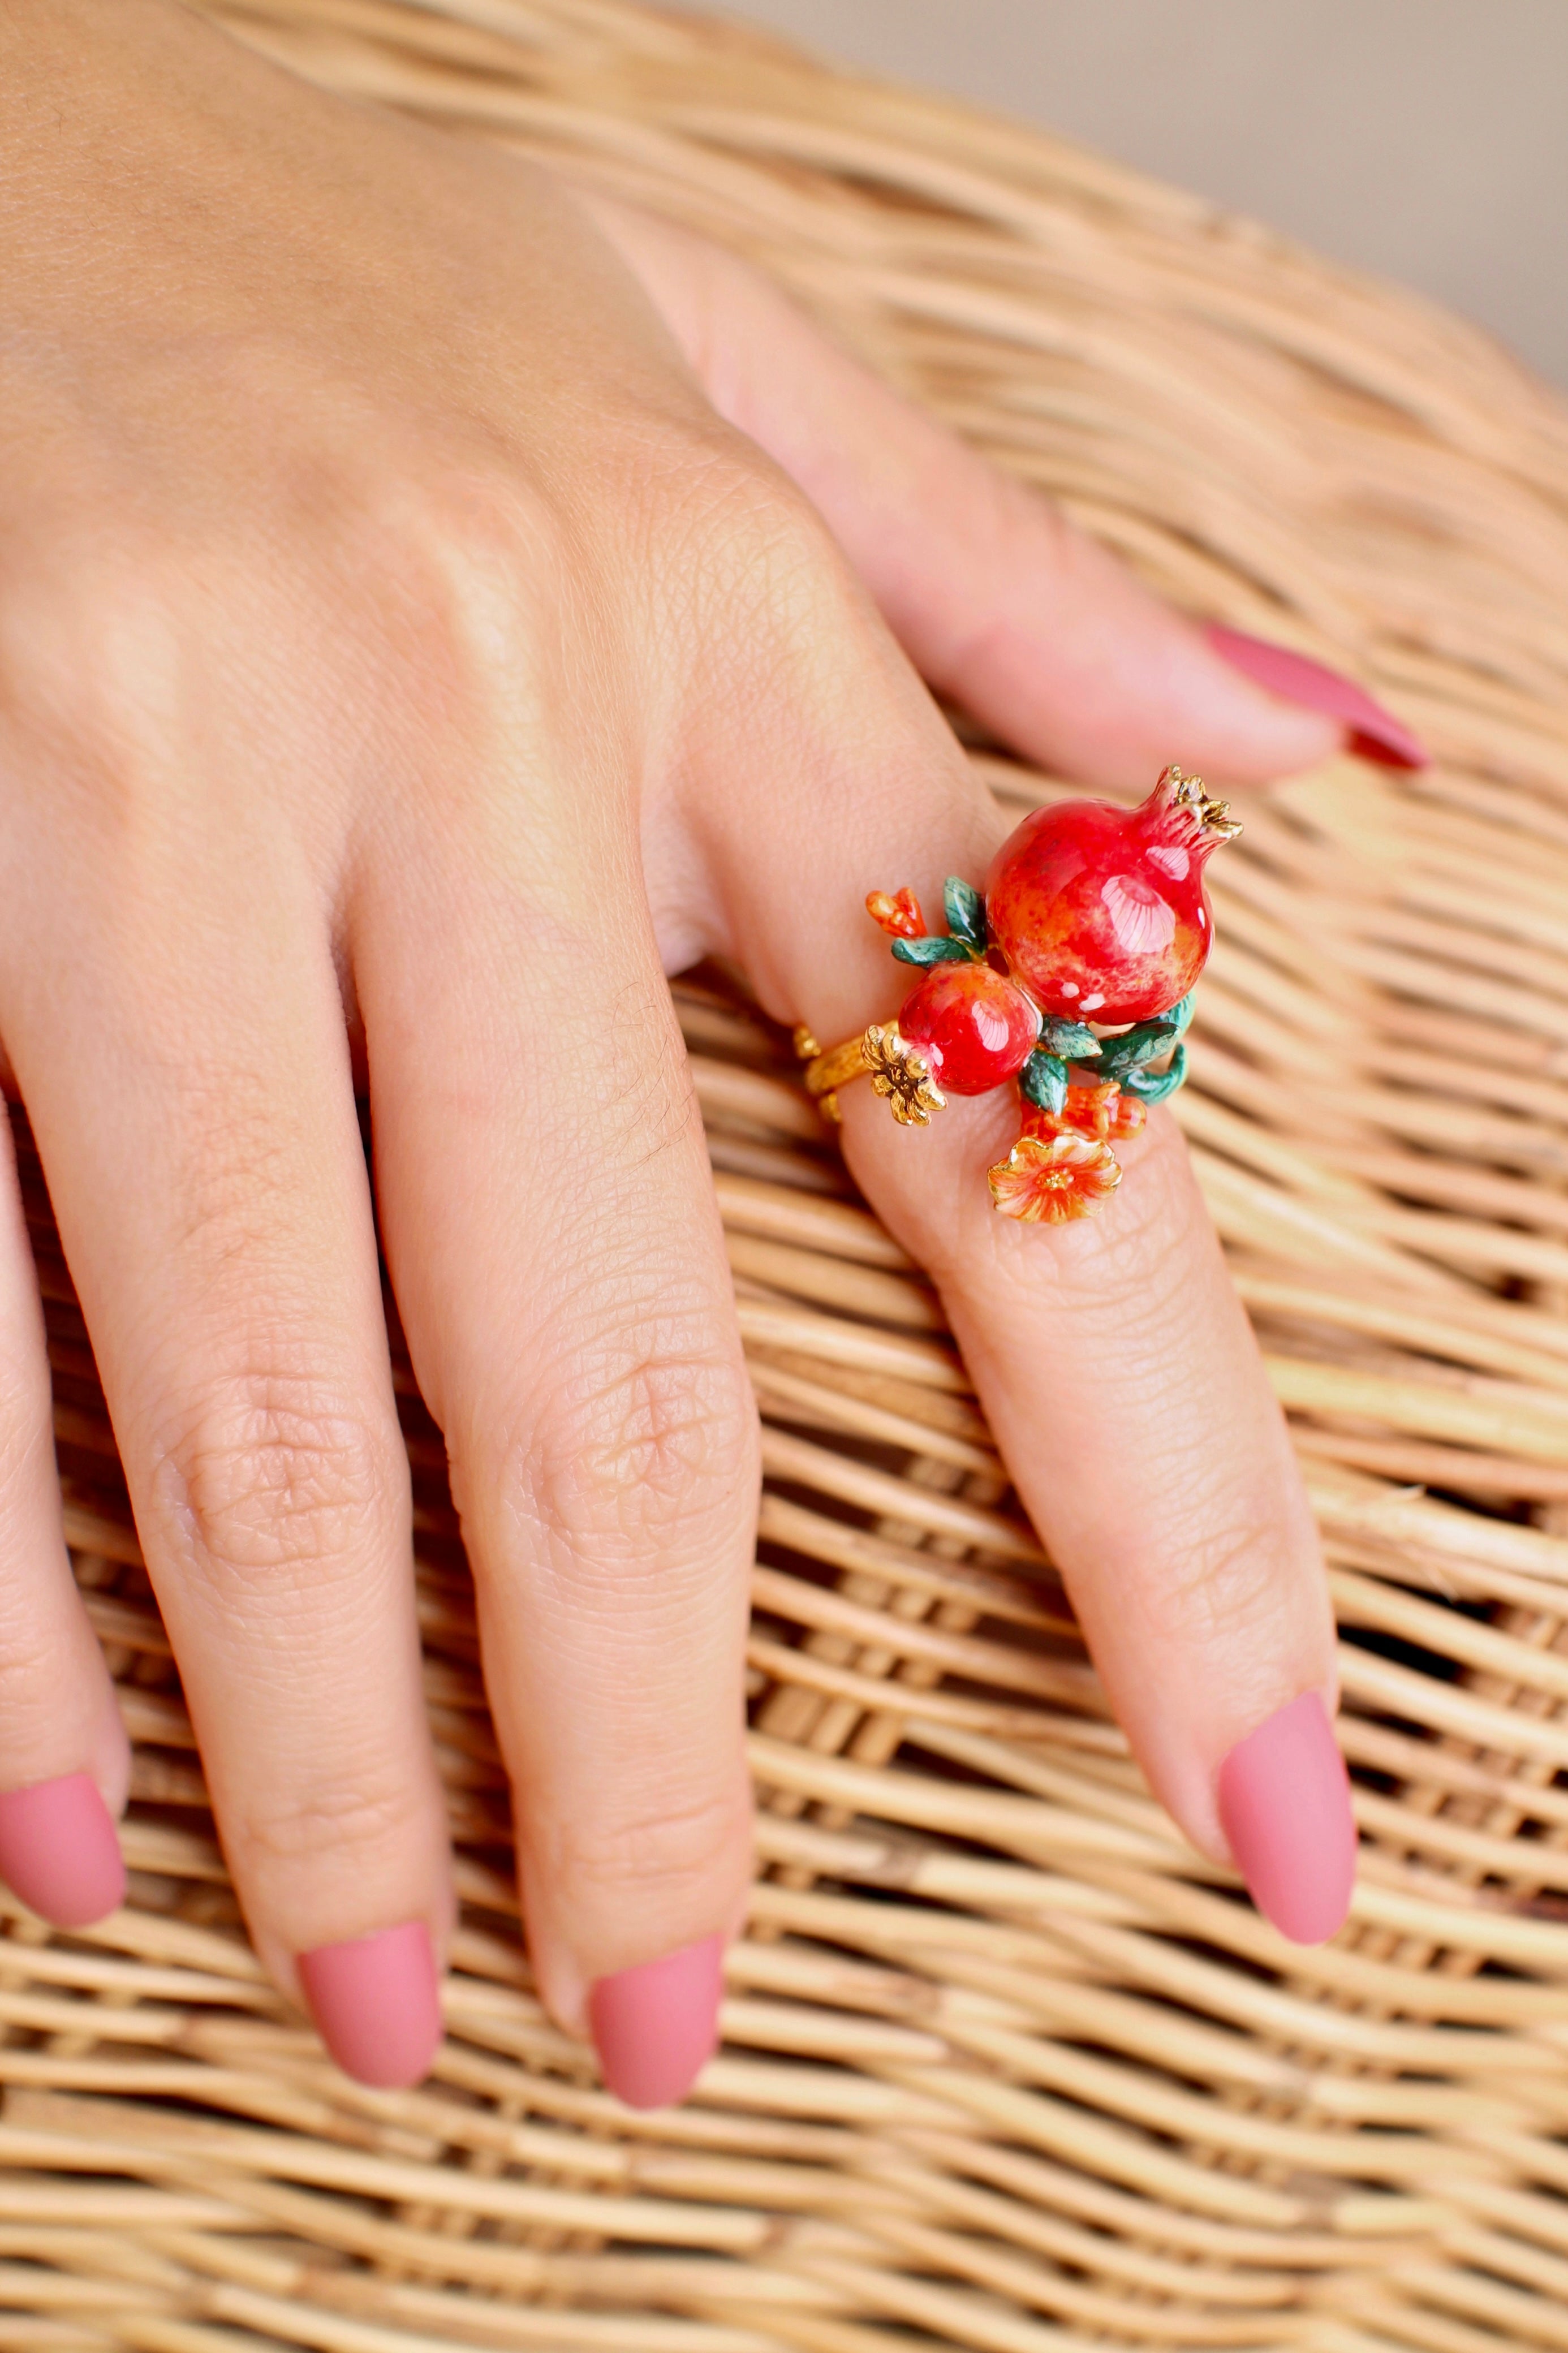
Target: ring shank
{"points": [[826, 1072]]}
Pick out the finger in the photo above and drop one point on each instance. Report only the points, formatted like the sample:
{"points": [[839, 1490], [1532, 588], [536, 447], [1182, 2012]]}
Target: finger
{"points": [[554, 1245], [1114, 1362], [1000, 603], [1129, 1401], [232, 1297], [1168, 1493], [65, 1762]]}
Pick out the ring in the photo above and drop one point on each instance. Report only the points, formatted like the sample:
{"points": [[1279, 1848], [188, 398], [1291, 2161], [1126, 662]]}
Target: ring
{"points": [[1071, 974]]}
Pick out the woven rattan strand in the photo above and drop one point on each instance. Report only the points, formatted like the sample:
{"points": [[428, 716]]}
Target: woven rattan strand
{"points": [[1005, 2066]]}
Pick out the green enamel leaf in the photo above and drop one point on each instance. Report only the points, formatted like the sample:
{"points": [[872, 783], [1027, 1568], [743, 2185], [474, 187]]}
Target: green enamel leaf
{"points": [[933, 951], [1152, 1087], [1181, 1014], [1146, 1043], [1042, 1081], [965, 910], [1075, 1042]]}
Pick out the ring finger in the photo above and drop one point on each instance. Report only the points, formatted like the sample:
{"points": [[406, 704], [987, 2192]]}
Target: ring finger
{"points": [[1114, 1362]]}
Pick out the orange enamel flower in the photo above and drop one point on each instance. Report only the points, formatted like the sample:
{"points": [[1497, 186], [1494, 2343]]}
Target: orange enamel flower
{"points": [[1047, 1180]]}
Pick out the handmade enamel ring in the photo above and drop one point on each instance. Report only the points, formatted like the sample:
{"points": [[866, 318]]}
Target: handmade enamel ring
{"points": [[1070, 977]]}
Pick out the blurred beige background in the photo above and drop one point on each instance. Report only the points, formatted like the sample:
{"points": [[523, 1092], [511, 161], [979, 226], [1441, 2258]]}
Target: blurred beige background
{"points": [[1424, 139]]}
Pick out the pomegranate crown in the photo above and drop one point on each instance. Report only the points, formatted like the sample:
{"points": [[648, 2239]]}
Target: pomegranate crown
{"points": [[1186, 812]]}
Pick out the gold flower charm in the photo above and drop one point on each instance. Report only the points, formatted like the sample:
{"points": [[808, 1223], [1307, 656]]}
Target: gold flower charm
{"points": [[901, 1073], [1045, 1181]]}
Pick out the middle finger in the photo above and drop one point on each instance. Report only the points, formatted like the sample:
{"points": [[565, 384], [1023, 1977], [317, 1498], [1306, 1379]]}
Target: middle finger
{"points": [[555, 1248]]}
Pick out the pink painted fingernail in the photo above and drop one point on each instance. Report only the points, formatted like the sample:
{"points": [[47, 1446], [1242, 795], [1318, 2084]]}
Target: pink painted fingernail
{"points": [[1285, 1803], [376, 2004], [1372, 731], [59, 1851], [656, 2025]]}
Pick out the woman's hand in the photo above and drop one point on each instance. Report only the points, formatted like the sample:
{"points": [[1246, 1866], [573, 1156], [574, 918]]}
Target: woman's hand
{"points": [[402, 644]]}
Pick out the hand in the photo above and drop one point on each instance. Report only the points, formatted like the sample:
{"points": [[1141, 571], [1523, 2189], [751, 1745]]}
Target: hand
{"points": [[407, 649]]}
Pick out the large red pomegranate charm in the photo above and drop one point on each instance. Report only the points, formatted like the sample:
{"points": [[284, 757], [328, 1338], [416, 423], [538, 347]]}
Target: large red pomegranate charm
{"points": [[1102, 913], [1073, 976]]}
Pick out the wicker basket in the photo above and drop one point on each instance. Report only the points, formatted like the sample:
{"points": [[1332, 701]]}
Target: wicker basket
{"points": [[1006, 2066]]}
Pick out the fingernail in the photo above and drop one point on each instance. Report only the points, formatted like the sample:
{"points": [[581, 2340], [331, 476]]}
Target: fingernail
{"points": [[655, 2026], [59, 1851], [1285, 1804], [1372, 730], [376, 2004]]}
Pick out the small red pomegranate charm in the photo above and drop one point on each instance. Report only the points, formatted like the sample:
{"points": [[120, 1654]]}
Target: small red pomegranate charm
{"points": [[1100, 912], [1073, 975], [975, 1029]]}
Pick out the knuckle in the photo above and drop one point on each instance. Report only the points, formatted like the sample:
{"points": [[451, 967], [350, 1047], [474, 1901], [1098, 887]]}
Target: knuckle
{"points": [[274, 1477], [649, 1449], [282, 1831], [662, 1854], [789, 646], [488, 559], [110, 635], [93, 642], [1216, 1591], [769, 562]]}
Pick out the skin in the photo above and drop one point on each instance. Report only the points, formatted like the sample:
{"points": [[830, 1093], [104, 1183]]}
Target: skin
{"points": [[431, 611]]}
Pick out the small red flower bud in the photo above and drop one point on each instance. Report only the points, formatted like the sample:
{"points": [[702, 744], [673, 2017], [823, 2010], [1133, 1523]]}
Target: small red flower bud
{"points": [[897, 911], [1100, 1111]]}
